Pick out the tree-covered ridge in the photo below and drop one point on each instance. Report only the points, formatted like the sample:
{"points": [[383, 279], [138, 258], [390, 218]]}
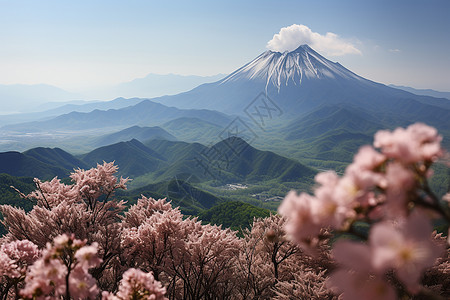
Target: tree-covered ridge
{"points": [[151, 249], [148, 249], [233, 214], [8, 195]]}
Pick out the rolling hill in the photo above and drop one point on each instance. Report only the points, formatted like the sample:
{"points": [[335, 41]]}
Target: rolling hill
{"points": [[132, 157], [56, 157], [19, 164], [145, 113], [141, 134], [193, 129]]}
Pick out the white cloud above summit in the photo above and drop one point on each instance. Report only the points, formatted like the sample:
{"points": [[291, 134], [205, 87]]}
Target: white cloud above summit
{"points": [[289, 38]]}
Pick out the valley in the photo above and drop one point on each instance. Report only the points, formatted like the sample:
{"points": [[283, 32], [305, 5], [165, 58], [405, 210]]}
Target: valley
{"points": [[253, 136]]}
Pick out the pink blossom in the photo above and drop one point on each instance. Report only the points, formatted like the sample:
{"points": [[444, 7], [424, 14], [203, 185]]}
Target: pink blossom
{"points": [[47, 276], [136, 284], [109, 296], [446, 198], [401, 184], [82, 285], [97, 181], [51, 193], [300, 210], [357, 286], [356, 278], [7, 266], [365, 169], [368, 158], [61, 241], [332, 206], [416, 143], [44, 276], [335, 200], [354, 256], [16, 256], [405, 247], [87, 256]]}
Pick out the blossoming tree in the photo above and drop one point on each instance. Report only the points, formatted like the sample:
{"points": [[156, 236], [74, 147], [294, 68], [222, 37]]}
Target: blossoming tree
{"points": [[387, 189], [79, 242]]}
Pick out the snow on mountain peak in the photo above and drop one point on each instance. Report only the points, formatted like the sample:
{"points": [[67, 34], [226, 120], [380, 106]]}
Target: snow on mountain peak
{"points": [[283, 68]]}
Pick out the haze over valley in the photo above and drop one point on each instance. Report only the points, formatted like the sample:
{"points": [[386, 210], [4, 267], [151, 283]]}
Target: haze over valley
{"points": [[271, 125]]}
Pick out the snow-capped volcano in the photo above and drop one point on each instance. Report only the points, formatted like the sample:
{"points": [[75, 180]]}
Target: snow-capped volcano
{"points": [[297, 81], [278, 69]]}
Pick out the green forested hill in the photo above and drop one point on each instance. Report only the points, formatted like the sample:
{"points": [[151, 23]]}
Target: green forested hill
{"points": [[19, 164], [135, 132], [132, 157], [233, 214], [56, 157], [9, 196]]}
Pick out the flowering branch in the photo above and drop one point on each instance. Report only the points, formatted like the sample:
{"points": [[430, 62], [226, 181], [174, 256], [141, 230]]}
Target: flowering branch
{"points": [[383, 189]]}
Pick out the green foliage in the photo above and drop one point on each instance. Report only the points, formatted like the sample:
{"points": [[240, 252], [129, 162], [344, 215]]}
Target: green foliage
{"points": [[183, 194], [19, 164], [9, 196], [233, 214], [193, 129], [134, 132], [440, 180], [133, 158], [56, 157]]}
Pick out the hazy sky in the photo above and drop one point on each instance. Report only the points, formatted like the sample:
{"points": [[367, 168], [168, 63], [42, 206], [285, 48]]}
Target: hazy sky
{"points": [[80, 44]]}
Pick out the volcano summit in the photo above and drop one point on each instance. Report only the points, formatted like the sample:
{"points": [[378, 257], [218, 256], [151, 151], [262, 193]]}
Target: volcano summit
{"points": [[299, 82]]}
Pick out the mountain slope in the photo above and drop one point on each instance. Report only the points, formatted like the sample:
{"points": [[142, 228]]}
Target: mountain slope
{"points": [[56, 157], [19, 164], [193, 129], [132, 157], [423, 92], [328, 118], [252, 164], [139, 133], [145, 113], [222, 163]]}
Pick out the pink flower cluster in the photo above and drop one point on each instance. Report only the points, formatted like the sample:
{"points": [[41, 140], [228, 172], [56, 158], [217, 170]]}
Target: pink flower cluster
{"points": [[15, 257], [387, 190], [63, 270], [405, 247], [136, 284], [92, 183]]}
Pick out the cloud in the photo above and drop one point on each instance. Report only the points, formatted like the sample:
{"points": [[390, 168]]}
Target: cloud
{"points": [[289, 38], [395, 50]]}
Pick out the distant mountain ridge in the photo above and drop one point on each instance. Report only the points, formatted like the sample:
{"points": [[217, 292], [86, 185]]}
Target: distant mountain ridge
{"points": [[423, 92], [152, 85], [135, 132], [52, 110], [144, 113], [25, 97]]}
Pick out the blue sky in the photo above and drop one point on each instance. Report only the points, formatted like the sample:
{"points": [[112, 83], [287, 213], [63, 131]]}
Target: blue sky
{"points": [[81, 44]]}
